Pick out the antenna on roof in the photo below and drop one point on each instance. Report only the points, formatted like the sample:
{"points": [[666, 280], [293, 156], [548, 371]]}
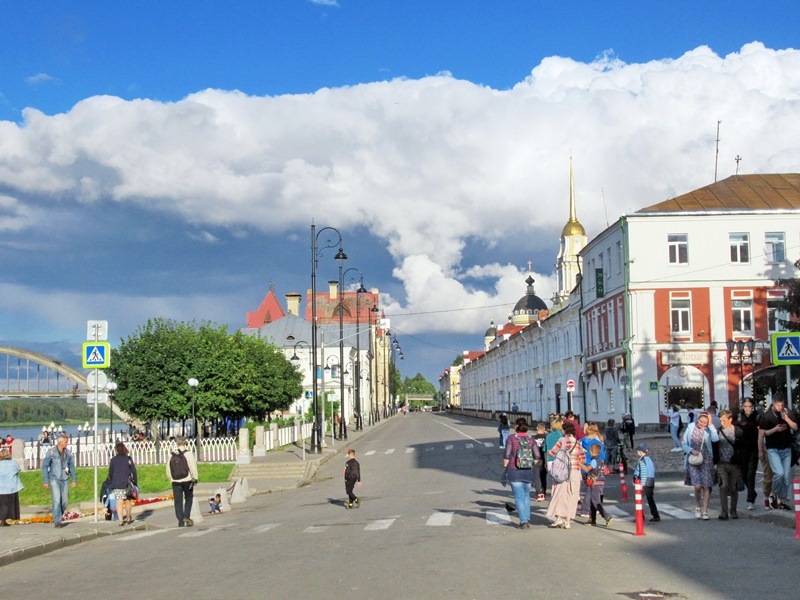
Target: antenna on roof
{"points": [[737, 159], [716, 158], [605, 208]]}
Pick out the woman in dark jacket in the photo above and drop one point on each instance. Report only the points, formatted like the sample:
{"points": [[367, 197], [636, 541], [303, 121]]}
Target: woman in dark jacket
{"points": [[121, 470]]}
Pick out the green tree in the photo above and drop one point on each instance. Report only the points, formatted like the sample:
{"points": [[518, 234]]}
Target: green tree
{"points": [[791, 302], [238, 375], [458, 361], [418, 385]]}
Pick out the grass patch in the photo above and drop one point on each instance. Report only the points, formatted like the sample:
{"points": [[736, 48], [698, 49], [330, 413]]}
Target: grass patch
{"points": [[152, 480]]}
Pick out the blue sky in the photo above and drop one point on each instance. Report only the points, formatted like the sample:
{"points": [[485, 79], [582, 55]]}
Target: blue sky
{"points": [[166, 159]]}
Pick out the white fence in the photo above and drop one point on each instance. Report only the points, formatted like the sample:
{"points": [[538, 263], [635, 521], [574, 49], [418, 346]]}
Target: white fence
{"points": [[148, 452]]}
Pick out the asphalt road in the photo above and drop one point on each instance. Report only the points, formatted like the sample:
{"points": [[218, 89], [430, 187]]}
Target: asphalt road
{"points": [[432, 525]]}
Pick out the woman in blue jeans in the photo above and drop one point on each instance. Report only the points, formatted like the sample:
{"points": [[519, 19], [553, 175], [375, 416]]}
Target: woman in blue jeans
{"points": [[516, 474]]}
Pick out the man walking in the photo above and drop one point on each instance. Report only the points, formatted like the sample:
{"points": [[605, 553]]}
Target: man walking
{"points": [[58, 467], [182, 472], [779, 425]]}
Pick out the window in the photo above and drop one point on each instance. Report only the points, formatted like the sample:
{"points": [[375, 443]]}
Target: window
{"points": [[678, 246], [775, 250], [774, 314], [680, 315], [740, 247], [742, 313]]}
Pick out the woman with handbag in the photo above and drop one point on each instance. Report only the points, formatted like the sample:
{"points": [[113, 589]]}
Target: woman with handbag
{"points": [[123, 481], [700, 470]]}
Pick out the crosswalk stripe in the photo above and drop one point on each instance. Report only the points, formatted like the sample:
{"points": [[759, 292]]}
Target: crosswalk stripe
{"points": [[440, 519], [448, 447], [138, 536], [379, 524], [468, 446], [265, 528], [409, 450], [617, 513], [496, 517], [202, 532], [316, 529], [674, 511], [390, 451], [428, 449], [488, 444], [370, 453]]}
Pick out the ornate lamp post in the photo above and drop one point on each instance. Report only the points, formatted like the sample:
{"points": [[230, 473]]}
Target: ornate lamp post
{"points": [[111, 386], [316, 431], [736, 350], [193, 383], [295, 360], [374, 414]]}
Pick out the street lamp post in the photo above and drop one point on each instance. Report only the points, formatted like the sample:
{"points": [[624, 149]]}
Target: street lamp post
{"points": [[316, 431], [295, 360], [111, 386], [193, 384], [374, 410], [332, 370], [343, 422], [736, 350]]}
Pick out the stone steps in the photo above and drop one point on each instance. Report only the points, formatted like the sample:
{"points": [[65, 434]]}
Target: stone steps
{"points": [[270, 470]]}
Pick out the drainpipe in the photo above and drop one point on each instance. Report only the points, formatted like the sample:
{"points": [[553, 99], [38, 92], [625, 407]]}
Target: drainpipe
{"points": [[580, 343], [626, 343]]}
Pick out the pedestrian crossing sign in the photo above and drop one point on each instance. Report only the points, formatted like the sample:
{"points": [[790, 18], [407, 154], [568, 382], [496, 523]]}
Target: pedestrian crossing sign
{"points": [[96, 355], [786, 348]]}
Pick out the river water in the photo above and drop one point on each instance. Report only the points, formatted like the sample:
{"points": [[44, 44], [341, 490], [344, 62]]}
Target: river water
{"points": [[34, 431]]}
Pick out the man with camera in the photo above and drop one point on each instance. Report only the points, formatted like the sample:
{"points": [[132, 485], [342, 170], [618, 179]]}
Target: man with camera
{"points": [[779, 425]]}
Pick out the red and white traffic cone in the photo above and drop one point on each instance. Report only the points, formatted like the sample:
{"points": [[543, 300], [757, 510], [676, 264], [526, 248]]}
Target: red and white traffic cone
{"points": [[796, 487], [622, 483], [637, 486]]}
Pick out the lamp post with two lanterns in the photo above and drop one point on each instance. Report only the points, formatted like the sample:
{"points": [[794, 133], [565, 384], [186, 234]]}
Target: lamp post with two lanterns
{"points": [[316, 431], [193, 383], [295, 360], [736, 349]]}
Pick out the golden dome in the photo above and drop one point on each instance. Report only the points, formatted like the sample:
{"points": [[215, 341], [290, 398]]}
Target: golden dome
{"points": [[573, 227]]}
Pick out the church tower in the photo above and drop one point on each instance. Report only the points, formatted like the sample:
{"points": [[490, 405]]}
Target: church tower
{"points": [[573, 240]]}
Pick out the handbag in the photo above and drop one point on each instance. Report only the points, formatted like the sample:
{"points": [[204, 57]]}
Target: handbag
{"points": [[132, 491], [696, 459]]}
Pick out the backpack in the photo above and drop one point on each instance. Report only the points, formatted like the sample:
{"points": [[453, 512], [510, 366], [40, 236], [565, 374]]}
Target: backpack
{"points": [[524, 458], [178, 466], [562, 465]]}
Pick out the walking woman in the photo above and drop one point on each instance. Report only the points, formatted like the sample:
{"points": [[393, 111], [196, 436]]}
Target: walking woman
{"points": [[519, 459], [121, 470], [700, 472], [564, 498], [10, 485]]}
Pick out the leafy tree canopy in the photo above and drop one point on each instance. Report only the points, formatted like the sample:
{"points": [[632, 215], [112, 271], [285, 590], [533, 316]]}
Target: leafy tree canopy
{"points": [[238, 375], [791, 302], [418, 385]]}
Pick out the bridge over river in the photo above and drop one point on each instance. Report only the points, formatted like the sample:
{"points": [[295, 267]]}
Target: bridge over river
{"points": [[27, 374]]}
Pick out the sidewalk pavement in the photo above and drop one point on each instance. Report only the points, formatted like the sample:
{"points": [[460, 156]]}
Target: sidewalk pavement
{"points": [[278, 471]]}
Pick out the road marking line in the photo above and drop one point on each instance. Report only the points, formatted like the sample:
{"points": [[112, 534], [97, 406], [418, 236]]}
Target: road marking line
{"points": [[495, 517], [457, 430], [390, 451], [428, 449], [202, 532], [137, 536], [409, 450], [316, 529], [265, 528], [469, 445], [674, 511], [618, 513], [488, 444], [440, 519], [448, 447], [379, 525], [370, 453]]}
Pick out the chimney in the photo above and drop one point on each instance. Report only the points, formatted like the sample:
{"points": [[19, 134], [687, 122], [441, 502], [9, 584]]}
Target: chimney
{"points": [[293, 303], [333, 289]]}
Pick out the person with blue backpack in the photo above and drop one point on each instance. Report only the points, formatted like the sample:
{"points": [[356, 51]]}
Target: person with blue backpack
{"points": [[519, 459]]}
